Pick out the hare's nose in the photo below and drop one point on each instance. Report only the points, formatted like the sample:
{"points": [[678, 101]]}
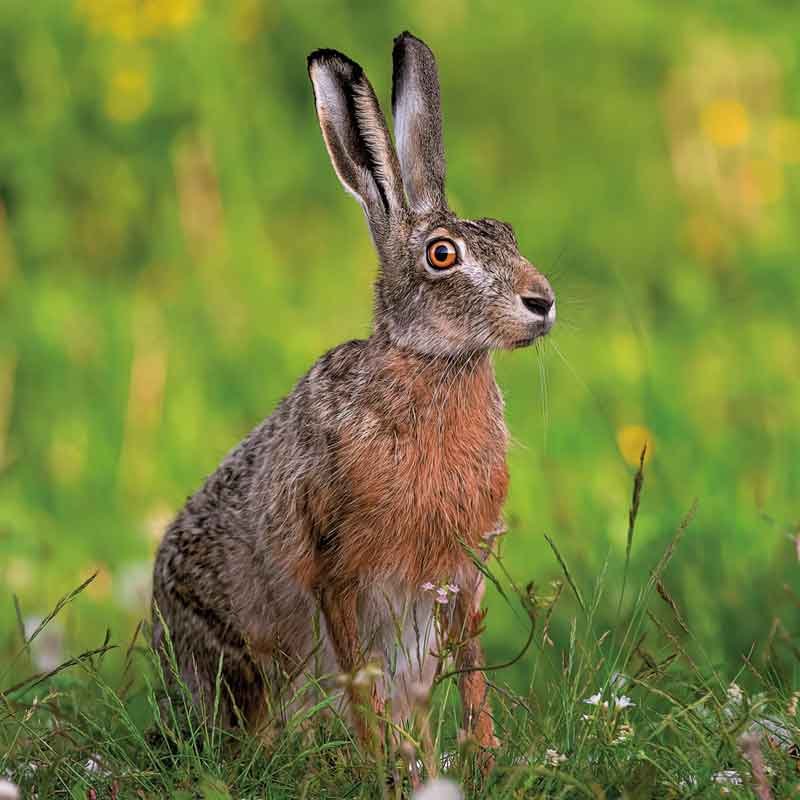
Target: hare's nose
{"points": [[536, 294], [537, 304]]}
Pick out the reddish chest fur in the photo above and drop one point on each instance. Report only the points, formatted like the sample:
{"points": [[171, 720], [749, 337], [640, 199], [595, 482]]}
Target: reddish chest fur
{"points": [[424, 468]]}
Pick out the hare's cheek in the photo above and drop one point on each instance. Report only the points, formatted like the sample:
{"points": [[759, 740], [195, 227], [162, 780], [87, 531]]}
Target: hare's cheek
{"points": [[449, 329]]}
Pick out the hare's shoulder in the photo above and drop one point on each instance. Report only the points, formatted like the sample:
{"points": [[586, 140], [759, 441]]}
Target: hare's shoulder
{"points": [[331, 388]]}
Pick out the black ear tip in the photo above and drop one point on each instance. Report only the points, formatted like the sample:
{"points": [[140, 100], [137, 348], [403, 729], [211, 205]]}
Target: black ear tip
{"points": [[406, 37], [336, 60]]}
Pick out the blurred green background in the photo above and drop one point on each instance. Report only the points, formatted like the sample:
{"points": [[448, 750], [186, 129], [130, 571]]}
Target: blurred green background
{"points": [[175, 252]]}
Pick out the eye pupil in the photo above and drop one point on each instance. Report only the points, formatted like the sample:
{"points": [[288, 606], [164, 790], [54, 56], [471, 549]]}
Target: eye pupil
{"points": [[442, 254]]}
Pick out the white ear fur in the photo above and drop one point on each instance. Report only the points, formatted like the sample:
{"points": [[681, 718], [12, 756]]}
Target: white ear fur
{"points": [[355, 134], [418, 123], [332, 114]]}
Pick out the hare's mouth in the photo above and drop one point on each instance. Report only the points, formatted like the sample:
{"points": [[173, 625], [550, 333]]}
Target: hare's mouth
{"points": [[529, 340]]}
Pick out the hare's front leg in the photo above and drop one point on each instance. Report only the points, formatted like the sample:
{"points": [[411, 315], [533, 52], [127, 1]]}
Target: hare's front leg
{"points": [[339, 606], [467, 620]]}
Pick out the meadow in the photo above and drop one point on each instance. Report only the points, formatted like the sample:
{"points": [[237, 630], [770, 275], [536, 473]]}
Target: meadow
{"points": [[175, 252]]}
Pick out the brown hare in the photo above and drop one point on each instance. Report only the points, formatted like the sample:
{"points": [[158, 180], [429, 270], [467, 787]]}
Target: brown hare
{"points": [[317, 545]]}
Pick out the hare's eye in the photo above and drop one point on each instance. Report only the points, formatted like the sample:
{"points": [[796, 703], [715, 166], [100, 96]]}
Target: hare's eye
{"points": [[442, 254]]}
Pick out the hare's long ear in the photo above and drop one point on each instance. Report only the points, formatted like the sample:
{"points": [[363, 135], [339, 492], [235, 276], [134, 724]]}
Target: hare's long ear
{"points": [[355, 134], [418, 123]]}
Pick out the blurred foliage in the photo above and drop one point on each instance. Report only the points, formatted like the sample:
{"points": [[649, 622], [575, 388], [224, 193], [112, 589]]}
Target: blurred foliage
{"points": [[175, 252]]}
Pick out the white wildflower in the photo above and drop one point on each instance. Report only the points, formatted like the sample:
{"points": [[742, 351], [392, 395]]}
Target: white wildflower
{"points": [[439, 789], [8, 790], [735, 694], [617, 703], [727, 777], [733, 704], [624, 732], [791, 709], [553, 758], [443, 591], [93, 765]]}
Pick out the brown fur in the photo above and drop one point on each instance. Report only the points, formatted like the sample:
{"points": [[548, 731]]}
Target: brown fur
{"points": [[435, 475]]}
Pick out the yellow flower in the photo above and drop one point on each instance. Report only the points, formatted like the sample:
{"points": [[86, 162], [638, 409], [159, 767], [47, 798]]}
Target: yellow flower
{"points": [[726, 123], [132, 20], [631, 439], [128, 95], [106, 16], [160, 15]]}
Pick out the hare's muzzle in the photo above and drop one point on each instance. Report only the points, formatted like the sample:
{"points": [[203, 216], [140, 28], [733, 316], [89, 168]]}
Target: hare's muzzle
{"points": [[539, 301]]}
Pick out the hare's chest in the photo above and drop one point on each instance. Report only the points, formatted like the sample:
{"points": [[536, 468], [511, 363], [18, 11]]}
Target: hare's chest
{"points": [[455, 470], [421, 484]]}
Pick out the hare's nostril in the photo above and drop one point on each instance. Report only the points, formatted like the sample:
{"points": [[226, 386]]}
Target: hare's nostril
{"points": [[537, 305]]}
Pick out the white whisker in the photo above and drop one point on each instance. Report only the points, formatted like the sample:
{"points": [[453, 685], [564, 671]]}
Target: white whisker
{"points": [[543, 384]]}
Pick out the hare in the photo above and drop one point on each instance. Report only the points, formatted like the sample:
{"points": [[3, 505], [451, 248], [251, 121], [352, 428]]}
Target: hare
{"points": [[331, 537]]}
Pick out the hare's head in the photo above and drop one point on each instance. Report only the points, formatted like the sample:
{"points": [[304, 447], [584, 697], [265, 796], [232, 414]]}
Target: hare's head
{"points": [[447, 286]]}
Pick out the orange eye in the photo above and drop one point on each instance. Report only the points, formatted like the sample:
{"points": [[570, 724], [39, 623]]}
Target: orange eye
{"points": [[442, 254]]}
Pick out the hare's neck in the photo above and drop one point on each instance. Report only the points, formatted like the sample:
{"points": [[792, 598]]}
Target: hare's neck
{"points": [[457, 384]]}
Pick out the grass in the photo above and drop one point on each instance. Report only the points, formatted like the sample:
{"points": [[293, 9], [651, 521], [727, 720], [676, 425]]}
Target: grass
{"points": [[175, 252], [613, 712]]}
